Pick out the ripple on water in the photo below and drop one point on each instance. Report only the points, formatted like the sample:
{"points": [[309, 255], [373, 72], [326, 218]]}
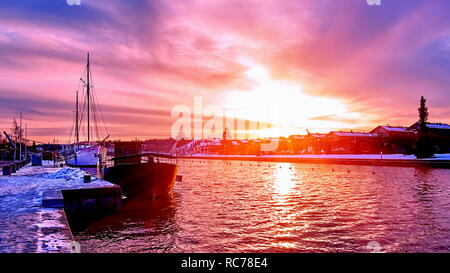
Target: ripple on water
{"points": [[285, 208]]}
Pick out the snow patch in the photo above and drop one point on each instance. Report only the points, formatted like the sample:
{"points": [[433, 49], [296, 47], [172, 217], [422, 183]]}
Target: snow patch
{"points": [[66, 173]]}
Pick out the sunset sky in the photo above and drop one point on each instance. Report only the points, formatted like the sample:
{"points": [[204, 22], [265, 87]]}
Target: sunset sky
{"points": [[329, 64]]}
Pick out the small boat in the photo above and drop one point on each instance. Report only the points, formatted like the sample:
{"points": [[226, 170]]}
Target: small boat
{"points": [[145, 175], [85, 158]]}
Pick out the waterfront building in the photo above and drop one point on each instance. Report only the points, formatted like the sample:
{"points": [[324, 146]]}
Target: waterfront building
{"points": [[396, 139], [352, 142], [315, 143], [439, 134]]}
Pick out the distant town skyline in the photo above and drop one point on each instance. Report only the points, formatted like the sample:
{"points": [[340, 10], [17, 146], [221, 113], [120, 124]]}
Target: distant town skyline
{"points": [[329, 65]]}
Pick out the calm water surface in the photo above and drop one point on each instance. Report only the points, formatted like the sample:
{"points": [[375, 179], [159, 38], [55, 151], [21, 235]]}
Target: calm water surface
{"points": [[232, 206]]}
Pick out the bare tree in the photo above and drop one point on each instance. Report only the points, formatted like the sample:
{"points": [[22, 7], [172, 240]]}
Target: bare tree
{"points": [[15, 130]]}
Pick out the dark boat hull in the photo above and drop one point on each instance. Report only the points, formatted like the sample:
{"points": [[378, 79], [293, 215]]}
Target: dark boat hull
{"points": [[148, 180]]}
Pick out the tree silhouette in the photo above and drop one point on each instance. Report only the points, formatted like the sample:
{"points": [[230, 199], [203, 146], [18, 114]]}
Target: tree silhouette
{"points": [[14, 129], [423, 115], [424, 145]]}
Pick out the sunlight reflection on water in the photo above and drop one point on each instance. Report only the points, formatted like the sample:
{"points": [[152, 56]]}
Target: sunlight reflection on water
{"points": [[229, 206]]}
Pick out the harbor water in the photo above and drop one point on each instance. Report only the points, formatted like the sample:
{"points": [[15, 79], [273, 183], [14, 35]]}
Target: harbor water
{"points": [[233, 206]]}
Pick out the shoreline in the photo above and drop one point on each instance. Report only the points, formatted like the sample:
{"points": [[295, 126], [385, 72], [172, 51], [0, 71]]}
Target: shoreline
{"points": [[38, 202], [443, 161]]}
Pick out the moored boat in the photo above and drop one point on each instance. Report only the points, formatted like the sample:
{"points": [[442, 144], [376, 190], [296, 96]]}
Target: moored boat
{"points": [[85, 158], [86, 155], [146, 175]]}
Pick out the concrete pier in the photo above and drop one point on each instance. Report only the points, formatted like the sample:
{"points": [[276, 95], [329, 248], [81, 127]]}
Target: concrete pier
{"points": [[38, 204], [9, 167], [69, 209], [85, 205], [53, 232]]}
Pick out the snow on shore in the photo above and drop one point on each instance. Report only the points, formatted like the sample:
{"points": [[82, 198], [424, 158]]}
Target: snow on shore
{"points": [[20, 202], [67, 174]]}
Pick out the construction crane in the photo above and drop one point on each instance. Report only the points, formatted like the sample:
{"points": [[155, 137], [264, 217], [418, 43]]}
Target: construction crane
{"points": [[12, 144]]}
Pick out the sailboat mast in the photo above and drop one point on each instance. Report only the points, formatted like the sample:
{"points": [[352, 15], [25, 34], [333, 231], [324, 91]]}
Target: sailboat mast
{"points": [[26, 142], [76, 122], [20, 137], [88, 97]]}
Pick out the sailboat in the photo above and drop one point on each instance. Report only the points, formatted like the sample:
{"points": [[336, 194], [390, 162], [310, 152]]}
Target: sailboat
{"points": [[86, 154], [147, 175]]}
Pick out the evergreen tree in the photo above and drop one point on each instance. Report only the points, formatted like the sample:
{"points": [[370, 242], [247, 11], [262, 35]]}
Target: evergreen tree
{"points": [[424, 145], [423, 115]]}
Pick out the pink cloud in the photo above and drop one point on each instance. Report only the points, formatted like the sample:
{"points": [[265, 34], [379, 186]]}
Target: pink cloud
{"points": [[148, 56]]}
